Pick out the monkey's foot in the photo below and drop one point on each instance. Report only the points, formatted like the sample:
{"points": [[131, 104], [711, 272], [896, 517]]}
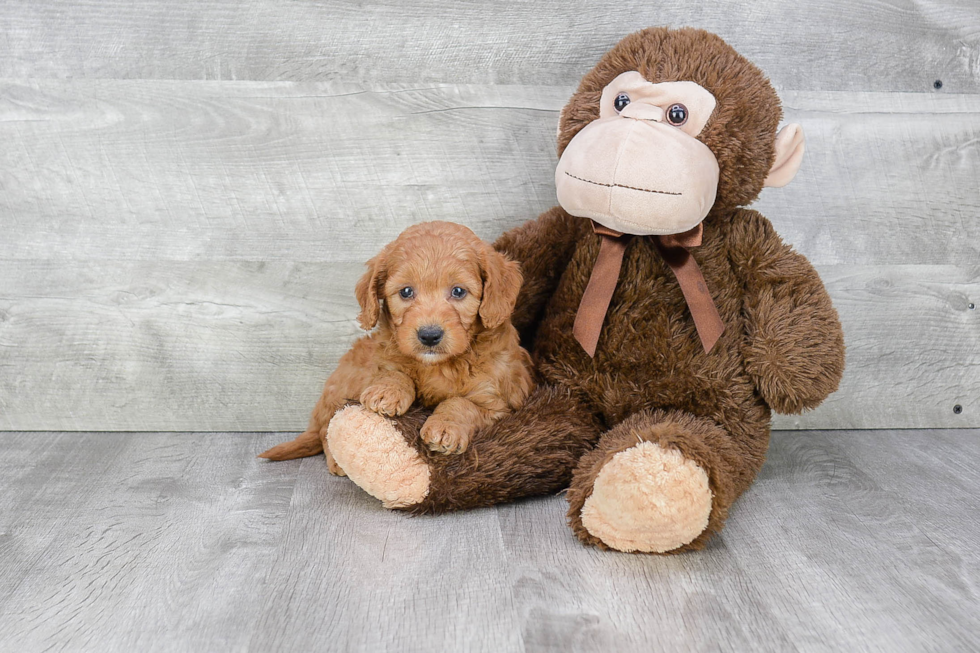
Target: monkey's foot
{"points": [[375, 455], [645, 498]]}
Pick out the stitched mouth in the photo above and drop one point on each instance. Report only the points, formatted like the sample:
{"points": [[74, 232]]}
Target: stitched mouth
{"points": [[643, 190]]}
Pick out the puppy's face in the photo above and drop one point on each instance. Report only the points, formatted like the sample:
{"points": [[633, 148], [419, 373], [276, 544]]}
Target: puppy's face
{"points": [[439, 285], [433, 303]]}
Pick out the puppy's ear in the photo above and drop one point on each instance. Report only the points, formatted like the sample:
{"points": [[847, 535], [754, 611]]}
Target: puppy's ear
{"points": [[501, 284], [366, 291]]}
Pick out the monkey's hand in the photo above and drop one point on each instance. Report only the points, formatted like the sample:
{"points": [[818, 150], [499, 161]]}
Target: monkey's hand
{"points": [[795, 346]]}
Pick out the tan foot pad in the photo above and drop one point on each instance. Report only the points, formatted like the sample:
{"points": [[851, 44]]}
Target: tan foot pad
{"points": [[648, 499], [376, 457]]}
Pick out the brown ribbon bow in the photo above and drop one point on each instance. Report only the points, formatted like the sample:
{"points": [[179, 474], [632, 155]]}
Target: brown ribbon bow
{"points": [[605, 274]]}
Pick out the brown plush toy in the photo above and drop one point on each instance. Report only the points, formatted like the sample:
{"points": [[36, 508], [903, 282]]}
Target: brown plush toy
{"points": [[665, 320]]}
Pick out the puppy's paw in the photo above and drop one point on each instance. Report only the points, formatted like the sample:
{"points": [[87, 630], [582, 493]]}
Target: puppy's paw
{"points": [[445, 436], [387, 399], [332, 465]]}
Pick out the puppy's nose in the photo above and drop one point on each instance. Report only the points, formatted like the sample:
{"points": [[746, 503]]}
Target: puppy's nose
{"points": [[430, 335]]}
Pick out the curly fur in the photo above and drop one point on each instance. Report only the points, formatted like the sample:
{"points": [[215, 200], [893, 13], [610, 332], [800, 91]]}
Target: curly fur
{"points": [[477, 372]]}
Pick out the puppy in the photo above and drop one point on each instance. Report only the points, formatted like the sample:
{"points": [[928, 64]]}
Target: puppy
{"points": [[441, 300]]}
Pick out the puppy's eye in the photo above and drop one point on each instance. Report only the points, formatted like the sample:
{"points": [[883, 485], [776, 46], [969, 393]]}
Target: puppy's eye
{"points": [[458, 292], [677, 114], [621, 101], [406, 292]]}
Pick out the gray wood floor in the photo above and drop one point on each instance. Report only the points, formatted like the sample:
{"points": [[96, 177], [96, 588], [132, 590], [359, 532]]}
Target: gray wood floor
{"points": [[860, 540]]}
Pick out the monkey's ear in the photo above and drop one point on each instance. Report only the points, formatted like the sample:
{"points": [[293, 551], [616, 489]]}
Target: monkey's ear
{"points": [[501, 284], [366, 291], [790, 145]]}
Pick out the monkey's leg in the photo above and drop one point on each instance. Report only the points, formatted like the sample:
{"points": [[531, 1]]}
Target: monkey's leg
{"points": [[659, 482], [529, 452]]}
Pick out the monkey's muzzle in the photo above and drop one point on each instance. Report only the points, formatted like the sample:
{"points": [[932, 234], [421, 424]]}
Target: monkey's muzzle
{"points": [[637, 176]]}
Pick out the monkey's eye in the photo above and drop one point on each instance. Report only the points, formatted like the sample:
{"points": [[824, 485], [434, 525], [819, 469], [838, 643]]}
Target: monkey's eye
{"points": [[677, 114], [406, 293], [458, 292], [621, 101]]}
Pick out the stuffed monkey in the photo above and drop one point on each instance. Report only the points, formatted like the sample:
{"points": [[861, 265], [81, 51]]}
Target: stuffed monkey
{"points": [[666, 320]]}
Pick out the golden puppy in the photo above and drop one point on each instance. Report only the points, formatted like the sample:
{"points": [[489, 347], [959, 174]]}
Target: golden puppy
{"points": [[441, 299]]}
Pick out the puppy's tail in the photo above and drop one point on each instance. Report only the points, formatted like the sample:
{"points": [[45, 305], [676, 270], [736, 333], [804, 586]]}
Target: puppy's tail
{"points": [[307, 444]]}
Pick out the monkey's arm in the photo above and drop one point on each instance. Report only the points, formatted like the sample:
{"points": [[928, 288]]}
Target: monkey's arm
{"points": [[543, 247], [795, 346]]}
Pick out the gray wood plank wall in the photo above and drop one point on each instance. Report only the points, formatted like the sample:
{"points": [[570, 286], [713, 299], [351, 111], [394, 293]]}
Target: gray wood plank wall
{"points": [[188, 190]]}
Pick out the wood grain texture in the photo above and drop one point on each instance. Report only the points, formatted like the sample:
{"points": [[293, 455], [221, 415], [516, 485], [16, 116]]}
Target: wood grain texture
{"points": [[835, 516], [130, 345], [913, 348], [888, 178], [949, 453], [256, 171], [363, 578], [889, 45], [312, 172], [575, 598], [160, 549], [171, 542], [160, 276], [179, 255], [169, 345], [45, 480]]}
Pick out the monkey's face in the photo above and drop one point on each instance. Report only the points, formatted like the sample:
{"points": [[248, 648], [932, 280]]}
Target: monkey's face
{"points": [[640, 168]]}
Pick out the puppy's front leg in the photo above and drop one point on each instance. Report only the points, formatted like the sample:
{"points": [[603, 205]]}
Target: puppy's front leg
{"points": [[452, 424], [390, 393]]}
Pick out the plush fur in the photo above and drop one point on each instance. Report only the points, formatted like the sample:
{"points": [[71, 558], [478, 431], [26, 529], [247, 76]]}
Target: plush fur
{"points": [[646, 498], [395, 474], [651, 380], [476, 372], [529, 452]]}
